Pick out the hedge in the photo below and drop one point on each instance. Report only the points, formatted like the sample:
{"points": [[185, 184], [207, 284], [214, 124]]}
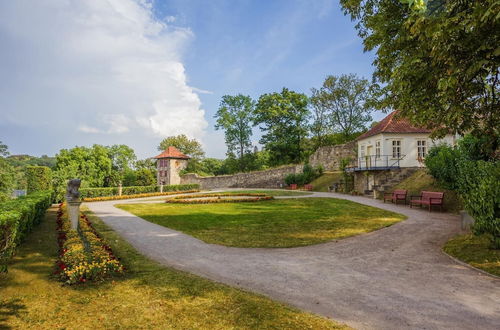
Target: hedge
{"points": [[133, 190], [111, 198], [17, 218], [39, 178]]}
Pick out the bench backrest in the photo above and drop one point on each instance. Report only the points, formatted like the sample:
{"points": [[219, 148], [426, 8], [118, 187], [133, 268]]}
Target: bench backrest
{"points": [[427, 195], [399, 193]]}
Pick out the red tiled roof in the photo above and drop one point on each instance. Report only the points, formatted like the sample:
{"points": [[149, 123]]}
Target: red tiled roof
{"points": [[172, 152], [394, 124]]}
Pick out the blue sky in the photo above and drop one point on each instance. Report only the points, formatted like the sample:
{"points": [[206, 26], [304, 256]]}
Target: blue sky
{"points": [[119, 71]]}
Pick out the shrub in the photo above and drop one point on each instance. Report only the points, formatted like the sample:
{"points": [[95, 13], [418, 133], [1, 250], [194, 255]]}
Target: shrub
{"points": [[110, 198], [442, 163], [17, 218], [38, 178], [308, 174], [478, 184], [133, 190]]}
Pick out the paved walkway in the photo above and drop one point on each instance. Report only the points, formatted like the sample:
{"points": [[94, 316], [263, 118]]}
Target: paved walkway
{"points": [[393, 278]]}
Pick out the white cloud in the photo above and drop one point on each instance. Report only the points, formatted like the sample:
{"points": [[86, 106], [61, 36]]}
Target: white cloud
{"points": [[100, 66]]}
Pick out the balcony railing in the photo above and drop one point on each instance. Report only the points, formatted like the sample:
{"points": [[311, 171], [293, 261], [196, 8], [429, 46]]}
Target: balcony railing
{"points": [[374, 163]]}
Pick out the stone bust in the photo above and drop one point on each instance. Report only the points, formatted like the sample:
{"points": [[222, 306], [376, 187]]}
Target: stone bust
{"points": [[72, 193]]}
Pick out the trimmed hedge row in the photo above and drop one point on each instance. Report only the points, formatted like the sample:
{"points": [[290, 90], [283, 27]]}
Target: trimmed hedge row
{"points": [[133, 190], [111, 198], [84, 255], [17, 218]]}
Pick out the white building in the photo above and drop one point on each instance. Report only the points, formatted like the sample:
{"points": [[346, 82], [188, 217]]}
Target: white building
{"points": [[395, 143]]}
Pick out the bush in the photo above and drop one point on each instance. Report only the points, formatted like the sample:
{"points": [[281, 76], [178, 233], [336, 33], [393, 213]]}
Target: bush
{"points": [[134, 190], [442, 163], [308, 174], [478, 184], [17, 218], [463, 170], [38, 178]]}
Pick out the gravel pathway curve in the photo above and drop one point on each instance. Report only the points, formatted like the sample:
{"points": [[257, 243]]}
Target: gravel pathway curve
{"points": [[393, 278]]}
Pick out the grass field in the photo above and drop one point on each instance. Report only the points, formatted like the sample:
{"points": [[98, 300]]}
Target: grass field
{"points": [[476, 251], [277, 223], [147, 296]]}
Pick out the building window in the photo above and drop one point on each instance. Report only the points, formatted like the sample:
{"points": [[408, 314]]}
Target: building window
{"points": [[396, 149], [377, 149], [362, 151], [421, 149]]}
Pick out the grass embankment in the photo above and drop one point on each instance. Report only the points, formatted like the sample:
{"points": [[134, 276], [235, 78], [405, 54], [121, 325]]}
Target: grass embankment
{"points": [[146, 296], [422, 181], [326, 180], [476, 251], [277, 223]]}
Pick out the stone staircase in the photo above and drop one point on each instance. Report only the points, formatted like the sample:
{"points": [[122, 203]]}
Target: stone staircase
{"points": [[392, 178]]}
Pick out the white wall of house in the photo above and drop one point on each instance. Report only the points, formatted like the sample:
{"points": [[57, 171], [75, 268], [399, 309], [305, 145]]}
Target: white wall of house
{"points": [[413, 146]]}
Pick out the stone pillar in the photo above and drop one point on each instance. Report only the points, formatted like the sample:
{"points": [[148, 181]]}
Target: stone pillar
{"points": [[120, 189], [74, 213], [161, 187]]}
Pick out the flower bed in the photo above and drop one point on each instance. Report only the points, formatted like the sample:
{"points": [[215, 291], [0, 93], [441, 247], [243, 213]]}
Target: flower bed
{"points": [[84, 255], [110, 198], [219, 198]]}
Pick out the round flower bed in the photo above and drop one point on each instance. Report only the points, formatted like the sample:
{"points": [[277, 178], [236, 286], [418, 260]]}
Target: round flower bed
{"points": [[219, 198]]}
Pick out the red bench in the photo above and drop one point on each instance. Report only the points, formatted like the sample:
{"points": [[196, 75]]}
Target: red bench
{"points": [[308, 187], [429, 198], [293, 186], [396, 195]]}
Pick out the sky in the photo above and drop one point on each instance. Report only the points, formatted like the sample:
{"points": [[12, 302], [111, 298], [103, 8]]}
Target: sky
{"points": [[133, 72]]}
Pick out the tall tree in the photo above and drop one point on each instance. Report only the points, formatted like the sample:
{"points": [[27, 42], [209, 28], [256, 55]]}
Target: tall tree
{"points": [[122, 157], [283, 119], [344, 104], [438, 62], [235, 118]]}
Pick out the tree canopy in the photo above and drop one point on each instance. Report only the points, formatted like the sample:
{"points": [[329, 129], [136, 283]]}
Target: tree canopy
{"points": [[438, 63], [342, 105], [234, 117], [283, 119], [190, 147]]}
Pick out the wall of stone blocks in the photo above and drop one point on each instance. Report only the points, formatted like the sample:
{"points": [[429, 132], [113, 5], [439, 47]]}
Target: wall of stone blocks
{"points": [[272, 178], [330, 156]]}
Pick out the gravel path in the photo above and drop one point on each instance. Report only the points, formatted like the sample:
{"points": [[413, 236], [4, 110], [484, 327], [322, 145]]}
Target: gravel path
{"points": [[393, 278]]}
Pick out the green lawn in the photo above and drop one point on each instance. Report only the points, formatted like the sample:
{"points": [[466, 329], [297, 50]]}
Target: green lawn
{"points": [[277, 223], [476, 251], [147, 296]]}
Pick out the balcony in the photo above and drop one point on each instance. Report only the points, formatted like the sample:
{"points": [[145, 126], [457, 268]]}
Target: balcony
{"points": [[375, 163]]}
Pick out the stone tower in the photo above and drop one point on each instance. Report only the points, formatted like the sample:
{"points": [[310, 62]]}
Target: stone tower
{"points": [[169, 164]]}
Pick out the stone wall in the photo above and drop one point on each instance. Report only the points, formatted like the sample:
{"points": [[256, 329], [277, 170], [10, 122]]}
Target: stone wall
{"points": [[272, 178], [330, 156]]}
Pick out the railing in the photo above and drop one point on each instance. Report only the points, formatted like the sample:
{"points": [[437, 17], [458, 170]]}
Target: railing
{"points": [[380, 162]]}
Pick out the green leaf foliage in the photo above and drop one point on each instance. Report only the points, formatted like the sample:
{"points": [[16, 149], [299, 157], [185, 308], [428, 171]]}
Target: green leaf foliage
{"points": [[283, 117], [133, 190], [440, 66], [234, 117], [17, 218], [39, 178]]}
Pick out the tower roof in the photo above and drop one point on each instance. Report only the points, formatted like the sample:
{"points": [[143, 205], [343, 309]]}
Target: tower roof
{"points": [[172, 152], [393, 124]]}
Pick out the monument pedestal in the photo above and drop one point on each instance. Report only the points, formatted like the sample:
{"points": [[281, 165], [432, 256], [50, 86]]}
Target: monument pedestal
{"points": [[74, 213]]}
